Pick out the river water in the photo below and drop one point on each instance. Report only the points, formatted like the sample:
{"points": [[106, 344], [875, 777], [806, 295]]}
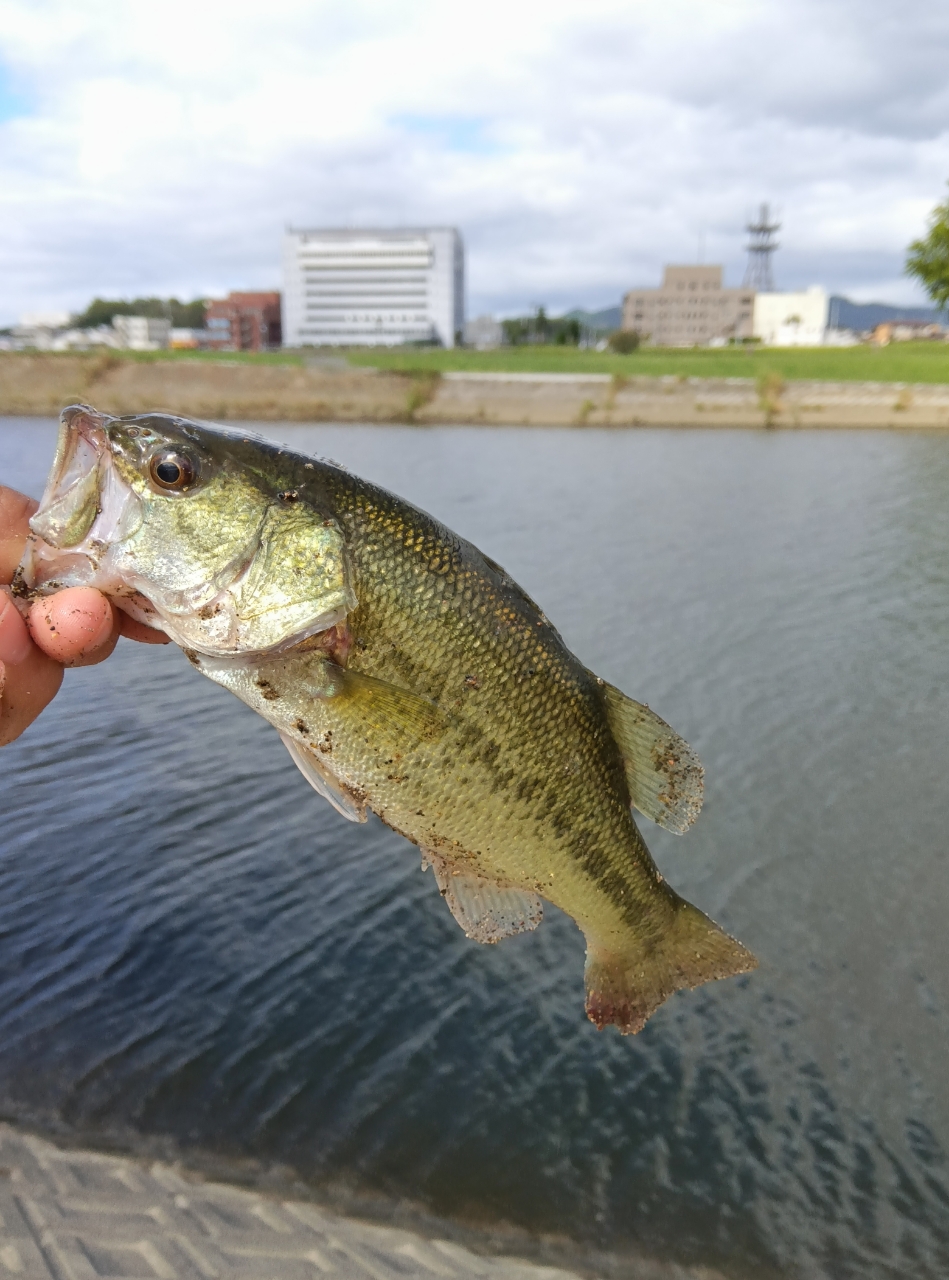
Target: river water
{"points": [[194, 946]]}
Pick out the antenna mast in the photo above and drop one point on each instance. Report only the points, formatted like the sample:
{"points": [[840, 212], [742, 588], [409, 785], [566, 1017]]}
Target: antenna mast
{"points": [[761, 245]]}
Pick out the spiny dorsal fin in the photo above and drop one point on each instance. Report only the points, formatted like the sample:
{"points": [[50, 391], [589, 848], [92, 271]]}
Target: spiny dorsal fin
{"points": [[486, 910], [323, 782], [664, 775]]}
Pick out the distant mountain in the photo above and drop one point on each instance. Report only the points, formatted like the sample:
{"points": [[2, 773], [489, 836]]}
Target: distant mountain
{"points": [[604, 321], [860, 316]]}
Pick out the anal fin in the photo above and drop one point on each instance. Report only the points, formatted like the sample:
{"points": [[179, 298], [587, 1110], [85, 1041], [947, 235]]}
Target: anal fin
{"points": [[323, 782], [487, 910], [664, 775]]}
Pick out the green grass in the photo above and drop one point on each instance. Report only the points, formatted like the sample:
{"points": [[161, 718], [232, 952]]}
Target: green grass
{"points": [[230, 357], [900, 362], [148, 357]]}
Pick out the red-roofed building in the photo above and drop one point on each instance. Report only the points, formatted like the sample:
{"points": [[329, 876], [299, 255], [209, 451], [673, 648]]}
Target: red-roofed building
{"points": [[244, 322]]}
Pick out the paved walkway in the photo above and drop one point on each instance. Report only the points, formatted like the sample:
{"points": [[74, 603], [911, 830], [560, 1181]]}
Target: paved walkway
{"points": [[76, 1215]]}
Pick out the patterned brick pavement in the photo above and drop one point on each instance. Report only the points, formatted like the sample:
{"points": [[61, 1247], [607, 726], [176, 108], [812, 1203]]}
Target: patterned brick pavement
{"points": [[76, 1215]]}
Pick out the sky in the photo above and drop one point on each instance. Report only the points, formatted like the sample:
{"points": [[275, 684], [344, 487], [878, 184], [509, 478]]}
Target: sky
{"points": [[163, 148]]}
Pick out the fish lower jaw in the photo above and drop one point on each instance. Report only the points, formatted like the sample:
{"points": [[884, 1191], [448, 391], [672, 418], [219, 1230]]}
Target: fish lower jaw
{"points": [[330, 637], [45, 569]]}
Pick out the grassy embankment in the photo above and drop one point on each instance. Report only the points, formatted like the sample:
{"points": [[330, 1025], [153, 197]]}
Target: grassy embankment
{"points": [[899, 362], [781, 387]]}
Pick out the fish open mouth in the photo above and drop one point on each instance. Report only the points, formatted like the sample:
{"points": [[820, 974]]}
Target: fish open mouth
{"points": [[84, 509], [70, 502]]}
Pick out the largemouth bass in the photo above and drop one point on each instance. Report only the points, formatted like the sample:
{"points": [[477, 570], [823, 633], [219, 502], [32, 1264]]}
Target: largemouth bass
{"points": [[407, 674]]}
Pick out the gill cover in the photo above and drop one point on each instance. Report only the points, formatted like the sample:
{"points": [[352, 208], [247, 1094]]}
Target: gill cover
{"points": [[292, 582]]}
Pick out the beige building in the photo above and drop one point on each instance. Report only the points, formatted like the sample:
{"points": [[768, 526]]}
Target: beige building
{"points": [[689, 309]]}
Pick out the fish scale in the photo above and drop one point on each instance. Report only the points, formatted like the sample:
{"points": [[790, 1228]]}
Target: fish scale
{"points": [[408, 675]]}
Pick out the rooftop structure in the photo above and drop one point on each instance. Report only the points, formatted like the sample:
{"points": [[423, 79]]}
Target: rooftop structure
{"points": [[244, 322], [689, 309], [185, 339], [25, 337], [38, 330], [373, 287], [907, 331], [44, 320]]}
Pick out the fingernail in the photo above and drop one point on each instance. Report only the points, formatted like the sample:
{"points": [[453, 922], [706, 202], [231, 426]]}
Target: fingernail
{"points": [[15, 642]]}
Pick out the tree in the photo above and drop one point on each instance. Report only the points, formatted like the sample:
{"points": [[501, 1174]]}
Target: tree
{"points": [[928, 258], [539, 330], [183, 315], [624, 341], [568, 333]]}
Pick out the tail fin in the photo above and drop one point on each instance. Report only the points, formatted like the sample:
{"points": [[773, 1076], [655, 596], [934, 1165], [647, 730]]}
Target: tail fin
{"points": [[625, 986]]}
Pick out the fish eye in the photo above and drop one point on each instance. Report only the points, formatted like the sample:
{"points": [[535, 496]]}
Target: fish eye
{"points": [[169, 470]]}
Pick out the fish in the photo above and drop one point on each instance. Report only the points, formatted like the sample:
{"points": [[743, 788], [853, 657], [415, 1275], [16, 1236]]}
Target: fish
{"points": [[407, 674]]}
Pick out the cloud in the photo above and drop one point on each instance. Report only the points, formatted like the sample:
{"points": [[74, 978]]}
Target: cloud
{"points": [[164, 148]]}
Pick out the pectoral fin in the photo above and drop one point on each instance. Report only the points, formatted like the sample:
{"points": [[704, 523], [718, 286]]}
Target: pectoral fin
{"points": [[322, 781], [486, 910], [386, 710], [664, 775]]}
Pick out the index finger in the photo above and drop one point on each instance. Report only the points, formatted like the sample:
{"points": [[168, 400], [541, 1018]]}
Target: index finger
{"points": [[15, 511]]}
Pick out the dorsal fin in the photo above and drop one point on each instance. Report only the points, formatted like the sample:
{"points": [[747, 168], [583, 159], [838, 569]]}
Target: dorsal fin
{"points": [[664, 775], [486, 910], [323, 782]]}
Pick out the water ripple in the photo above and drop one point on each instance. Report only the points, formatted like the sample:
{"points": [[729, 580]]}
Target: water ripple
{"points": [[192, 944]]}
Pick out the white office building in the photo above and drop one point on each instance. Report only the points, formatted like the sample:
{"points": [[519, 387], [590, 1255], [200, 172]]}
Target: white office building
{"points": [[791, 319], [373, 288], [141, 333]]}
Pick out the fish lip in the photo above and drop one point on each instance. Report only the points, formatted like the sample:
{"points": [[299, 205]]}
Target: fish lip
{"points": [[76, 422], [85, 509], [71, 472]]}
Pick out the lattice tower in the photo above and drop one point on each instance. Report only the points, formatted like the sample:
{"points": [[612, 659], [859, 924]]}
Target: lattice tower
{"points": [[761, 245]]}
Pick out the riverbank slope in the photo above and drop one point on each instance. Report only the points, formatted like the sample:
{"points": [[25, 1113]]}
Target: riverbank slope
{"points": [[75, 1214], [321, 390]]}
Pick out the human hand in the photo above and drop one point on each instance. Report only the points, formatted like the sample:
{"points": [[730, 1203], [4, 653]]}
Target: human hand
{"points": [[73, 628]]}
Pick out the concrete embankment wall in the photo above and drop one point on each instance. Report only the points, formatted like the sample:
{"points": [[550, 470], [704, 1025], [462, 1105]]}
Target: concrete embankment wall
{"points": [[42, 384]]}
